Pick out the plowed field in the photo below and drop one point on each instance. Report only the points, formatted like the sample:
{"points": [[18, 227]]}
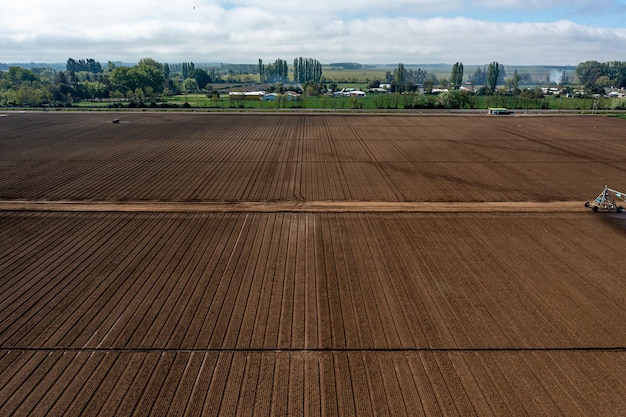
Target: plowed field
{"points": [[310, 265]]}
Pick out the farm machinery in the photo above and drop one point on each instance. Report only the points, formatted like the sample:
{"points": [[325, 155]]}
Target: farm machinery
{"points": [[605, 202]]}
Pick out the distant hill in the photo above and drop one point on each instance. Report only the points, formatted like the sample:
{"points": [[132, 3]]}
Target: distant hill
{"points": [[31, 65], [346, 65]]}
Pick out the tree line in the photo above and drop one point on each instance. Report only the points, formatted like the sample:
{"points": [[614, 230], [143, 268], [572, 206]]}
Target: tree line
{"points": [[87, 79], [404, 79], [597, 75]]}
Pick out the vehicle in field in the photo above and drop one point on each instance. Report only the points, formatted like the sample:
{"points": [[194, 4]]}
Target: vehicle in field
{"points": [[605, 202], [498, 111]]}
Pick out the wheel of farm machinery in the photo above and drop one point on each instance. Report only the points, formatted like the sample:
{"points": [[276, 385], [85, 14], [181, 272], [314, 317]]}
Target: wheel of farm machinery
{"points": [[606, 201]]}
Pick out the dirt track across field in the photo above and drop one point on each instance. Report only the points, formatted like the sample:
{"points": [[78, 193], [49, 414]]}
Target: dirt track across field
{"points": [[300, 206]]}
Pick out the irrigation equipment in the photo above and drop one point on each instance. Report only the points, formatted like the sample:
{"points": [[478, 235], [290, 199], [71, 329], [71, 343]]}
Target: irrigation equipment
{"points": [[605, 202]]}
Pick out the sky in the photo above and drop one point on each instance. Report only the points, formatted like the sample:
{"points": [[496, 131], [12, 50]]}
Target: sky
{"points": [[514, 32]]}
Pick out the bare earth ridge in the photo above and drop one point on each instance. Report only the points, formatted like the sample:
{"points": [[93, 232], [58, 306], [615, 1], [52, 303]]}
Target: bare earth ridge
{"points": [[300, 206]]}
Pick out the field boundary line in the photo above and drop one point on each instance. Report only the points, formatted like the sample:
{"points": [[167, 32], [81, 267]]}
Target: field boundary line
{"points": [[295, 206], [320, 350]]}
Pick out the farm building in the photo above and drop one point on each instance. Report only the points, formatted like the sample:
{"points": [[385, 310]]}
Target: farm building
{"points": [[289, 96], [247, 95], [349, 92], [270, 96], [292, 95]]}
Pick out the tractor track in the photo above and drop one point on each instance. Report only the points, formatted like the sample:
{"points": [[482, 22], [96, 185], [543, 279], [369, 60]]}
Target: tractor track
{"points": [[296, 206], [319, 350]]}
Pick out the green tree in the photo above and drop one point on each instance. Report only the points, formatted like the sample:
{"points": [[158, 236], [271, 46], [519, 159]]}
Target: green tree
{"points": [[604, 81], [429, 84], [312, 88], [452, 99], [618, 104], [356, 103], [61, 90], [150, 73], [261, 71], [277, 72], [190, 85], [415, 77], [88, 65], [23, 87], [138, 94], [617, 72], [388, 77], [307, 69], [479, 77], [588, 72], [187, 69], [94, 90], [456, 75], [400, 78], [27, 95], [493, 73], [121, 79], [201, 76], [515, 81], [150, 62], [145, 74], [15, 76]]}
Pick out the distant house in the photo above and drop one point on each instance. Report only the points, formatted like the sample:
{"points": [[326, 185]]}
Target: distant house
{"points": [[349, 92], [289, 95], [292, 95], [550, 91], [617, 94], [247, 95]]}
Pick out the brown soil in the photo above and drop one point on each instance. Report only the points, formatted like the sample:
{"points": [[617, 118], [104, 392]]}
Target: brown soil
{"points": [[316, 265]]}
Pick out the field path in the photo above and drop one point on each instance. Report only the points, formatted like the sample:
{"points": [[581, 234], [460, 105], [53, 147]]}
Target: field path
{"points": [[298, 206]]}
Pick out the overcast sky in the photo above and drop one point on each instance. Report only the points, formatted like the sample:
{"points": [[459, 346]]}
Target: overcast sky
{"points": [[520, 32]]}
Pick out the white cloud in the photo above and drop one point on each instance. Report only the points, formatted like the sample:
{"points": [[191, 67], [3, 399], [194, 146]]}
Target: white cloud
{"points": [[245, 30], [336, 8]]}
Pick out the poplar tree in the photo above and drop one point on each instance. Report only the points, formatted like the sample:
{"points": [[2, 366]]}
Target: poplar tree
{"points": [[456, 76], [400, 77], [493, 72], [261, 71], [307, 69]]}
